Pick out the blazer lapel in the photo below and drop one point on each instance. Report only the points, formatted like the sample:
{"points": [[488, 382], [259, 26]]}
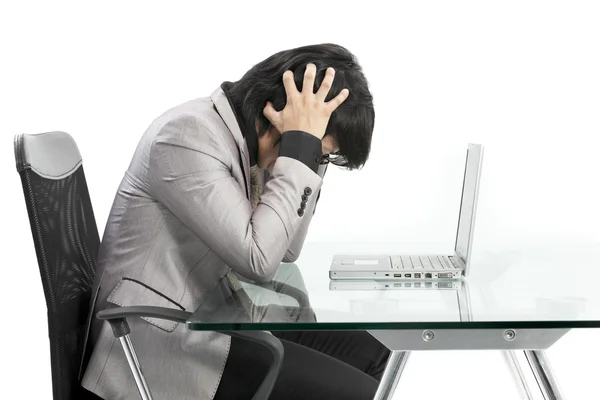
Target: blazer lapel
{"points": [[222, 104]]}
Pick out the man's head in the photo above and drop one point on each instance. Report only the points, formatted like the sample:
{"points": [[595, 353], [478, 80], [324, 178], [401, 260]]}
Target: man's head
{"points": [[351, 125]]}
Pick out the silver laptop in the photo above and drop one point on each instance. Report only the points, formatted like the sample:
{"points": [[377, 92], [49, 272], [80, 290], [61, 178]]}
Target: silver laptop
{"points": [[430, 266]]}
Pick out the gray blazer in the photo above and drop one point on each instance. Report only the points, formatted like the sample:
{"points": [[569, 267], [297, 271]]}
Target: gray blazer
{"points": [[180, 221]]}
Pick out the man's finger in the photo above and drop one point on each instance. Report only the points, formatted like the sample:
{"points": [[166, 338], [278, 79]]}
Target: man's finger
{"points": [[326, 84], [309, 78], [289, 84], [337, 100], [271, 114]]}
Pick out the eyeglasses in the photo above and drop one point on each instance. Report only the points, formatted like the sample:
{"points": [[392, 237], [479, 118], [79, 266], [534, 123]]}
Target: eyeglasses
{"points": [[335, 158]]}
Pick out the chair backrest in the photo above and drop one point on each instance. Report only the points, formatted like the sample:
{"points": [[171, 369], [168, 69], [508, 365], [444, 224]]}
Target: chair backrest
{"points": [[66, 242]]}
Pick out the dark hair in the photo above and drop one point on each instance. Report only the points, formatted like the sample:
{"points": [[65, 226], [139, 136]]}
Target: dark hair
{"points": [[351, 124]]}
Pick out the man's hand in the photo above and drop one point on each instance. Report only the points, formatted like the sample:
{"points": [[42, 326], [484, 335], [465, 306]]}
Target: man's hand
{"points": [[306, 111]]}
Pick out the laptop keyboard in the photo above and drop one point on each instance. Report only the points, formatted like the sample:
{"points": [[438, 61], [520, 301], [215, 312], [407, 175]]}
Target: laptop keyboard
{"points": [[422, 262]]}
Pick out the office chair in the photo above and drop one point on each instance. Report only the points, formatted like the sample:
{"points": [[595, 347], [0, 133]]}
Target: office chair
{"points": [[66, 244], [66, 241]]}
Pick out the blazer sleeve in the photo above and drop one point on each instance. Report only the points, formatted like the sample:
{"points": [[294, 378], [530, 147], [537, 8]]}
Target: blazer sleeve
{"points": [[190, 174], [295, 248]]}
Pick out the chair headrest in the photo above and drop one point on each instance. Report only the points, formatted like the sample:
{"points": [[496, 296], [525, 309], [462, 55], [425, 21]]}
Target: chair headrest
{"points": [[52, 155]]}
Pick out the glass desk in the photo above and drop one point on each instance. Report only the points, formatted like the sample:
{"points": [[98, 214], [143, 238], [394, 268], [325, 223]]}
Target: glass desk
{"points": [[512, 300]]}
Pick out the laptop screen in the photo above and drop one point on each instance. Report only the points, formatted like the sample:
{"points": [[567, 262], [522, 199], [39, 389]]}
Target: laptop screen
{"points": [[466, 217]]}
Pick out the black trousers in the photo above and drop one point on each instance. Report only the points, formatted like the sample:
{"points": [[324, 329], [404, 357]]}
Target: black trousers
{"points": [[317, 365]]}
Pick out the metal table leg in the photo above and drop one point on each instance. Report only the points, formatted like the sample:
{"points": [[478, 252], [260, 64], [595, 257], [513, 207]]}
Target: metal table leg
{"points": [[391, 375], [512, 358], [540, 366]]}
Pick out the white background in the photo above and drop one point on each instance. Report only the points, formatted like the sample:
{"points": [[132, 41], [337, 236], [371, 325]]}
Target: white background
{"points": [[521, 77]]}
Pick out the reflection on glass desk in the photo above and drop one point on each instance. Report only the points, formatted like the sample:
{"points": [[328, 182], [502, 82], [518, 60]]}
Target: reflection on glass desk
{"points": [[554, 287]]}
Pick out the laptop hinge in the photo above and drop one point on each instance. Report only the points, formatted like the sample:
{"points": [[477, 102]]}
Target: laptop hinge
{"points": [[458, 262]]}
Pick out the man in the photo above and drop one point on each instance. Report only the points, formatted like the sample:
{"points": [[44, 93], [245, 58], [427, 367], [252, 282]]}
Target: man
{"points": [[194, 208]]}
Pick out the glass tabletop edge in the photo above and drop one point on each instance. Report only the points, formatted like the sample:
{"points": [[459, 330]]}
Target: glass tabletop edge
{"points": [[354, 326]]}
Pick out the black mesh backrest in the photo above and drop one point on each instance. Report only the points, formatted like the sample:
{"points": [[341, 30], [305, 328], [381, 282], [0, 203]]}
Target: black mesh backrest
{"points": [[66, 242]]}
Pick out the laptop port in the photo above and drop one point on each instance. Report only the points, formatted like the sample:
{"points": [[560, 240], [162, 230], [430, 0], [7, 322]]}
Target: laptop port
{"points": [[387, 274], [407, 285], [407, 275], [445, 275], [418, 275], [428, 276], [397, 285], [427, 284], [417, 284], [445, 285], [397, 275]]}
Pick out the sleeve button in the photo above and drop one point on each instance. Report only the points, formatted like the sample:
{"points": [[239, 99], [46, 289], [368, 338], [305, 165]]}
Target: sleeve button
{"points": [[300, 212], [307, 191]]}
